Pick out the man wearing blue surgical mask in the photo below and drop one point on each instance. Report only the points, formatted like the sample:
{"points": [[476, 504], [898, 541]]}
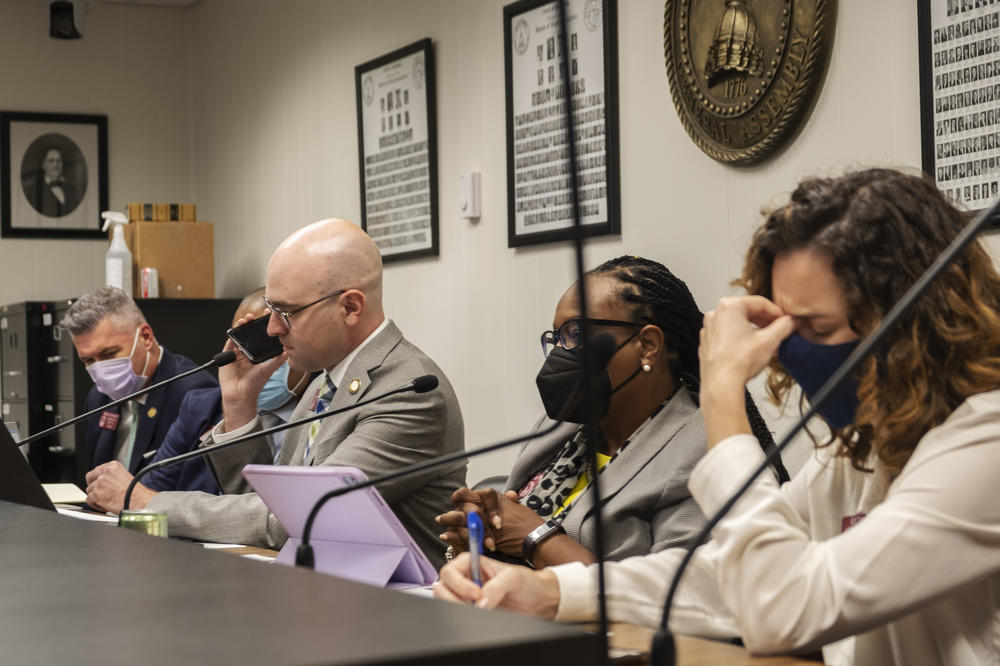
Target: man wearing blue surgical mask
{"points": [[201, 410], [122, 356], [277, 400]]}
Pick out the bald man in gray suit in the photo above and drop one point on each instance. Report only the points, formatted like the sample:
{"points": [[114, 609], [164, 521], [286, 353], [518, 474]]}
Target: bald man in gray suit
{"points": [[324, 288]]}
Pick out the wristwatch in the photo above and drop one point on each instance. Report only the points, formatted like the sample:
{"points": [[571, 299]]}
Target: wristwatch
{"points": [[538, 535]]}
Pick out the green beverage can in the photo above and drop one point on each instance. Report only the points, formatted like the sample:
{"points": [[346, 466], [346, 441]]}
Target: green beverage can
{"points": [[144, 520]]}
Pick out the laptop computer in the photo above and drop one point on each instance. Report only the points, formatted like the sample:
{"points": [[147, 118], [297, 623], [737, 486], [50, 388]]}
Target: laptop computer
{"points": [[18, 482], [354, 536]]}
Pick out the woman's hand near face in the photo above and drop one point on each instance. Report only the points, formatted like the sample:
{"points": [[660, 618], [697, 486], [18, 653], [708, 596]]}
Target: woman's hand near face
{"points": [[739, 337], [738, 340]]}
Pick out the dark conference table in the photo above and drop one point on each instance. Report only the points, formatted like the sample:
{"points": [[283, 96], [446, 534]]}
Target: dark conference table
{"points": [[76, 592]]}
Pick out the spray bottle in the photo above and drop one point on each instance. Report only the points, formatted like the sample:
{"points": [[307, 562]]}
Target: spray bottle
{"points": [[117, 260]]}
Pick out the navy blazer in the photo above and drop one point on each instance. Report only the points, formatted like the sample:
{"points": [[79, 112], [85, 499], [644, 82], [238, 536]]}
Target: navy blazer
{"points": [[200, 410], [155, 417]]}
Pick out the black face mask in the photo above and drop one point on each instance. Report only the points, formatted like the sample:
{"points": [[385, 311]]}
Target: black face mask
{"points": [[561, 387]]}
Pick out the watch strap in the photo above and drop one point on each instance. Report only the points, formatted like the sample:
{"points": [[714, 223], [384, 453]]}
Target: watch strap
{"points": [[537, 536]]}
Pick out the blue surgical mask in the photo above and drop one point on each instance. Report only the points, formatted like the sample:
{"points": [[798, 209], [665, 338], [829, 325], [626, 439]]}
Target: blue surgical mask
{"points": [[811, 365], [275, 392]]}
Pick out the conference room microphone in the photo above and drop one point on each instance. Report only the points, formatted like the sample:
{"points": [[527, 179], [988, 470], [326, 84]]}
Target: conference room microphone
{"points": [[219, 360], [663, 650], [421, 384]]}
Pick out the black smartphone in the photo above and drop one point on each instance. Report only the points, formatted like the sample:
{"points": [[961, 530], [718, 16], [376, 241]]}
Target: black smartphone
{"points": [[253, 340]]}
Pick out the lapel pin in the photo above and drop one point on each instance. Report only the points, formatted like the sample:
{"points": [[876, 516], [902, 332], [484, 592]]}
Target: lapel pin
{"points": [[151, 413], [354, 386]]}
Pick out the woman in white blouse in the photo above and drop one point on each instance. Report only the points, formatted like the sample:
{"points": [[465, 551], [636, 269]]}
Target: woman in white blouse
{"points": [[891, 533]]}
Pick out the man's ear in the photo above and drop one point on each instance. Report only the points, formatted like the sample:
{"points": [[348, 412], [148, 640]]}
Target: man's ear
{"points": [[353, 301], [146, 337]]}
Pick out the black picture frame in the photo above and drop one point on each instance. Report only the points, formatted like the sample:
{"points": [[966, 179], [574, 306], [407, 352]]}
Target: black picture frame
{"points": [[398, 175], [76, 145], [532, 181], [959, 55]]}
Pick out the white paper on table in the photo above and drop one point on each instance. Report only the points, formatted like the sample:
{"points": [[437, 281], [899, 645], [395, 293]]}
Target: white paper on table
{"points": [[64, 493], [76, 513]]}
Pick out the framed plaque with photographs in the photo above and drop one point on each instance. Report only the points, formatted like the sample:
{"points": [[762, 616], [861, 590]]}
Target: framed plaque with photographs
{"points": [[397, 149], [960, 98], [54, 175], [539, 205]]}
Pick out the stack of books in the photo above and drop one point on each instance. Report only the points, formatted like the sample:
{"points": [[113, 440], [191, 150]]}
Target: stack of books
{"points": [[161, 212]]}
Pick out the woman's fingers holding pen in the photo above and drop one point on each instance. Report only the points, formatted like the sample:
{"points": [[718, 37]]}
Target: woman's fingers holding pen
{"points": [[455, 583]]}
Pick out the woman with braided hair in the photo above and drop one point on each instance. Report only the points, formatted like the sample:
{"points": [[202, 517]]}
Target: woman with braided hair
{"points": [[651, 436]]}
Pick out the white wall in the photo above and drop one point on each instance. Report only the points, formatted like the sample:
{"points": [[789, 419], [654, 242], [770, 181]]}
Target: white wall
{"points": [[133, 65], [247, 107], [276, 147]]}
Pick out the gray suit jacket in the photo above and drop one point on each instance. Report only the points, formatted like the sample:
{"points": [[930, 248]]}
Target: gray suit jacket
{"points": [[377, 438], [647, 505]]}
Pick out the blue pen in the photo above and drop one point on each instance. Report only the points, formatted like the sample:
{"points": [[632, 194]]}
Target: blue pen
{"points": [[475, 525]]}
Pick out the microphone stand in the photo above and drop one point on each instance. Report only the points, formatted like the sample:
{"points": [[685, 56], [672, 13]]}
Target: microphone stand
{"points": [[420, 385], [220, 359], [592, 429], [663, 649]]}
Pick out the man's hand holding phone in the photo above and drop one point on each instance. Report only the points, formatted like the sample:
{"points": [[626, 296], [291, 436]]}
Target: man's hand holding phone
{"points": [[242, 380]]}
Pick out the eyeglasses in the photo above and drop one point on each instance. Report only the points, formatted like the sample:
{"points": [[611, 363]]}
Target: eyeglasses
{"points": [[285, 316], [570, 334]]}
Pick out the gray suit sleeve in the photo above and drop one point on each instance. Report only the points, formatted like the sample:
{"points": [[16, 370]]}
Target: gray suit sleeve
{"points": [[678, 518], [227, 465], [675, 525], [239, 516], [221, 518]]}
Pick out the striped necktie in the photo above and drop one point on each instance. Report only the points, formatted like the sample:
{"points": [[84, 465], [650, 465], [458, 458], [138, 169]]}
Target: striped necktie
{"points": [[322, 403], [133, 428]]}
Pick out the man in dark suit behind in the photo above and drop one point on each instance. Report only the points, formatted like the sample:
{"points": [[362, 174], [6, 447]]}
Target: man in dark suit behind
{"points": [[52, 194], [121, 354]]}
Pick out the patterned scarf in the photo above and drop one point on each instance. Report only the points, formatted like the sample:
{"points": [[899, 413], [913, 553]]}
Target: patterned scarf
{"points": [[546, 491]]}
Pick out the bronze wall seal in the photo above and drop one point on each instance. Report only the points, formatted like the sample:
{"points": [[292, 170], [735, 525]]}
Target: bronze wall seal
{"points": [[743, 73]]}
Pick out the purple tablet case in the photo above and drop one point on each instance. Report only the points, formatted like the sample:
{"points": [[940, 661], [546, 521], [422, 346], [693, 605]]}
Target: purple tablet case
{"points": [[354, 536]]}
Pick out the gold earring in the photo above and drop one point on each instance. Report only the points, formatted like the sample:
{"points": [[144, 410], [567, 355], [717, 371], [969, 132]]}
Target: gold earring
{"points": [[646, 367]]}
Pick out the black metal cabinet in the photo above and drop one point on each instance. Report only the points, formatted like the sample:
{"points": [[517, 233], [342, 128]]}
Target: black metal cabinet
{"points": [[29, 373]]}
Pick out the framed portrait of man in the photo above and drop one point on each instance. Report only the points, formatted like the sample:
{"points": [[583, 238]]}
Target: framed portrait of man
{"points": [[53, 174]]}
